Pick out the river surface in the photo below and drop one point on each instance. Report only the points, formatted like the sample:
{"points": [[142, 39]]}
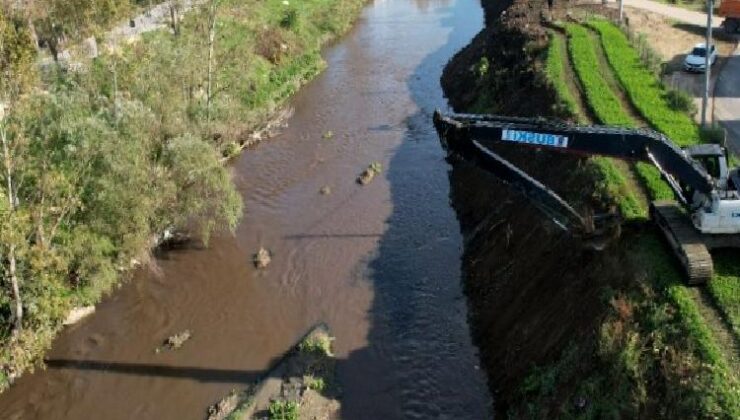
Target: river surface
{"points": [[379, 264]]}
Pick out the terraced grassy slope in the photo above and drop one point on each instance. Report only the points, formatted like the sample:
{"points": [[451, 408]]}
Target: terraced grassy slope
{"points": [[604, 105], [664, 314], [556, 75], [645, 91], [649, 96], [602, 100]]}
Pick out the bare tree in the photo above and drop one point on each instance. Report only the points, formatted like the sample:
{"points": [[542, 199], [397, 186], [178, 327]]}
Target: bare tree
{"points": [[212, 16], [175, 7], [12, 264]]}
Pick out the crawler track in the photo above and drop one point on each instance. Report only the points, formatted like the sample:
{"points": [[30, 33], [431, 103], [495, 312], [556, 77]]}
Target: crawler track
{"points": [[686, 242]]}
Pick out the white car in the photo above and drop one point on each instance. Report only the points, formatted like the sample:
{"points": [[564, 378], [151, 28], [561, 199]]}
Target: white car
{"points": [[696, 59]]}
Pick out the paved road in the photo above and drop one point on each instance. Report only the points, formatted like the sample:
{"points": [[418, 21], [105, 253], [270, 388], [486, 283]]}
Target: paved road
{"points": [[727, 100], [673, 12]]}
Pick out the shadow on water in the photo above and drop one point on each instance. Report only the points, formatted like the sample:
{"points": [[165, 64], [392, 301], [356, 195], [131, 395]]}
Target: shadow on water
{"points": [[419, 334], [199, 374]]}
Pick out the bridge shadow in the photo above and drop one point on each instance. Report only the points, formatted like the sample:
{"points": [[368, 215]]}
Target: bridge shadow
{"points": [[299, 237], [199, 374]]}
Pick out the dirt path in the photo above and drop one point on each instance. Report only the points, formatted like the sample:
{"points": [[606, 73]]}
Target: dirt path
{"points": [[614, 84], [626, 168], [573, 83], [721, 330]]}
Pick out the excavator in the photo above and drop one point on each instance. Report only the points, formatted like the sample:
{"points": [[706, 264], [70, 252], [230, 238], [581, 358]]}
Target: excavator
{"points": [[705, 214]]}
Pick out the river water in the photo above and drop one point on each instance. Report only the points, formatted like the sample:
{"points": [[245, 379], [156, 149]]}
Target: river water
{"points": [[379, 264]]}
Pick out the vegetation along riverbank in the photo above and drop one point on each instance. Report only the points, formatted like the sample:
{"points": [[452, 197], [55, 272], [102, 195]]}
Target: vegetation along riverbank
{"points": [[110, 150]]}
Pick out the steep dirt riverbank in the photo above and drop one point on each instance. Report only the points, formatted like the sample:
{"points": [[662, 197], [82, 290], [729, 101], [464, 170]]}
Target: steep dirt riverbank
{"points": [[379, 264]]}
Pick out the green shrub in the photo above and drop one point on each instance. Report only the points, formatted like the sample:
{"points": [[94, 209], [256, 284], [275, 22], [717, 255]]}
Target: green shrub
{"points": [[320, 344], [679, 100], [283, 410], [317, 384]]}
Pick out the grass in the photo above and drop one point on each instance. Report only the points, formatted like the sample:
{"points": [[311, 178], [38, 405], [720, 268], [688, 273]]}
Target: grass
{"points": [[555, 70], [319, 344], [600, 97], [608, 109], [318, 384], [645, 91], [283, 410], [725, 289], [653, 356]]}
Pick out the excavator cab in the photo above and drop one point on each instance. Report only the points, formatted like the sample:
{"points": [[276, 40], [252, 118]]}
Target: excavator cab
{"points": [[713, 158]]}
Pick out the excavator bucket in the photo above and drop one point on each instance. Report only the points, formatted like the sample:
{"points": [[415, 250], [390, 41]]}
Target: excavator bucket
{"points": [[596, 231]]}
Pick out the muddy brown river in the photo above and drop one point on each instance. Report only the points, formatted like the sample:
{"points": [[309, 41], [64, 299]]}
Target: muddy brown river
{"points": [[379, 264]]}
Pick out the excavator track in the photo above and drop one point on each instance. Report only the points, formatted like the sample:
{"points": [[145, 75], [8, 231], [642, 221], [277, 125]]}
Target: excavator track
{"points": [[685, 240]]}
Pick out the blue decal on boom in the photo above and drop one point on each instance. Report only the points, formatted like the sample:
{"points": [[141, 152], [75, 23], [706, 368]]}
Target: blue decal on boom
{"points": [[538, 139]]}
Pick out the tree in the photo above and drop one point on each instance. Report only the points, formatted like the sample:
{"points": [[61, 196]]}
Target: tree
{"points": [[205, 192], [175, 6], [17, 70], [10, 216], [212, 20], [17, 58]]}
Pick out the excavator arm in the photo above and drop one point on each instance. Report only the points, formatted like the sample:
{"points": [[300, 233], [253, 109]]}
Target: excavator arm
{"points": [[461, 131]]}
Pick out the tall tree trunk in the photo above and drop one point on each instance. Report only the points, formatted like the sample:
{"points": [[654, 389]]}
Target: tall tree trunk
{"points": [[12, 273], [175, 18], [211, 41], [34, 35]]}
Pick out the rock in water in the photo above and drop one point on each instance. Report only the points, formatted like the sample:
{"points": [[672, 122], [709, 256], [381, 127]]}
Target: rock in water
{"points": [[262, 258], [368, 174], [176, 341]]}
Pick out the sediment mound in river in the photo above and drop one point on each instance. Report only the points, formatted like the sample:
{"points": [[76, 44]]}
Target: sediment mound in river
{"points": [[301, 385]]}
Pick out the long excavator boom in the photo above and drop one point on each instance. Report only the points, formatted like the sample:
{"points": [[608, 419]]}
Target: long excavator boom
{"points": [[461, 130], [713, 200]]}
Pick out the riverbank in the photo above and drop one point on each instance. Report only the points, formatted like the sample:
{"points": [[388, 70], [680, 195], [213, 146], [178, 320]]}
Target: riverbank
{"points": [[566, 331], [132, 149]]}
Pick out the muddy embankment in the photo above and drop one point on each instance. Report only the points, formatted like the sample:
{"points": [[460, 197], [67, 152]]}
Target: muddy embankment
{"points": [[531, 288]]}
